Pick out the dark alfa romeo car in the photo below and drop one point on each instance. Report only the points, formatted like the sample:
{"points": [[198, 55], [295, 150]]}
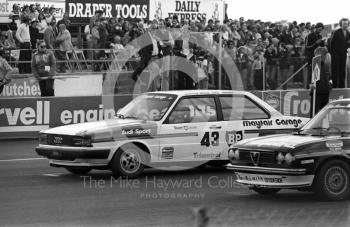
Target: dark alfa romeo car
{"points": [[316, 158]]}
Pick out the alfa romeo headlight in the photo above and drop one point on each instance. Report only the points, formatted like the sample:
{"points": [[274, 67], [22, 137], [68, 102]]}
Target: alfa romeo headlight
{"points": [[289, 158], [236, 154], [231, 154], [280, 158]]}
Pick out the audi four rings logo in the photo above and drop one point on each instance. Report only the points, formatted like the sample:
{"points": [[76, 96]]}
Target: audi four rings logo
{"points": [[57, 139], [255, 156]]}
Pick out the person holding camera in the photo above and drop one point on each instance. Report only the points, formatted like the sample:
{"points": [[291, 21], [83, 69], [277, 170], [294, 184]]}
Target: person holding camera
{"points": [[44, 68], [313, 40]]}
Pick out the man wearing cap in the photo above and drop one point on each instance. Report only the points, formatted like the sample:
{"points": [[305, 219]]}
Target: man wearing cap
{"points": [[313, 40]]}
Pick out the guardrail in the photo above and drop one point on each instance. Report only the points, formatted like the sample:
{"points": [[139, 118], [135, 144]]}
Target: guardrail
{"points": [[276, 73]]}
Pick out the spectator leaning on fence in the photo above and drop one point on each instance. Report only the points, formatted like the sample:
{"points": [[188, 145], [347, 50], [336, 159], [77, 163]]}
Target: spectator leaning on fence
{"points": [[44, 68]]}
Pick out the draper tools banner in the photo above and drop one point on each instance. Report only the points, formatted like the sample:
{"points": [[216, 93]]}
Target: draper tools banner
{"points": [[80, 11]]}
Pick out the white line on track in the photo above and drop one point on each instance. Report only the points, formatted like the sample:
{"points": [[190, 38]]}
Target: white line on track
{"points": [[53, 174], [21, 159]]}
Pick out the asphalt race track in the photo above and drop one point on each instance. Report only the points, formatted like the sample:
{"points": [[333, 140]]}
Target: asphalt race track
{"points": [[34, 194]]}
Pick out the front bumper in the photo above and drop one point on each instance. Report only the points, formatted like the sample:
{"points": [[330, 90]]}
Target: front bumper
{"points": [[71, 153], [271, 177]]}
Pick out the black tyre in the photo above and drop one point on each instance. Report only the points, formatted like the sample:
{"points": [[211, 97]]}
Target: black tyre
{"points": [[79, 170], [265, 191], [332, 180], [129, 161]]}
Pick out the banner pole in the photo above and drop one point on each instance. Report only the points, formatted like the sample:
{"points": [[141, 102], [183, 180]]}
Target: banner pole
{"points": [[314, 101], [264, 75], [220, 61]]}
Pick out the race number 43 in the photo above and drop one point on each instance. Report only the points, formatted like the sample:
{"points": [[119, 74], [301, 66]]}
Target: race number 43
{"points": [[210, 139]]}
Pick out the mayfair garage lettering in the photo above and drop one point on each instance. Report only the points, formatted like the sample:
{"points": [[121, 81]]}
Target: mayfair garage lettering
{"points": [[280, 122]]}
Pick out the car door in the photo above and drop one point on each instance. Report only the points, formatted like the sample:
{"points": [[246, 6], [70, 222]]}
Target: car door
{"points": [[236, 109], [191, 131]]}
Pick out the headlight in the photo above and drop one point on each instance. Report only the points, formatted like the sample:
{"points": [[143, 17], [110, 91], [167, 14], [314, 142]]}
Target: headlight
{"points": [[289, 158], [42, 138], [233, 154], [280, 158], [237, 154], [81, 141]]}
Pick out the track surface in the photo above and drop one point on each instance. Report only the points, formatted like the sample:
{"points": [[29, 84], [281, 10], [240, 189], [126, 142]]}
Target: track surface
{"points": [[34, 194]]}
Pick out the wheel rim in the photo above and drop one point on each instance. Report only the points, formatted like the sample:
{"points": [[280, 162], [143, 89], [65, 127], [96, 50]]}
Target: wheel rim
{"points": [[130, 161], [336, 180]]}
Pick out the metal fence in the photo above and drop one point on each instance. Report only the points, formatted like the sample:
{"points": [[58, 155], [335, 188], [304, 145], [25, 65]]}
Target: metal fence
{"points": [[272, 73]]}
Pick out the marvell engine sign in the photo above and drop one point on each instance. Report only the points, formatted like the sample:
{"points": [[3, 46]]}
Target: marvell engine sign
{"points": [[187, 10], [26, 115], [35, 114], [80, 11]]}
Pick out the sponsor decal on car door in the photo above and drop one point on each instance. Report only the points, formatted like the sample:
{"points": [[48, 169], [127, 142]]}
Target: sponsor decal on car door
{"points": [[193, 130]]}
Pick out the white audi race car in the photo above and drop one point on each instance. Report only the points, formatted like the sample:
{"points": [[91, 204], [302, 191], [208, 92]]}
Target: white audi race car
{"points": [[164, 129]]}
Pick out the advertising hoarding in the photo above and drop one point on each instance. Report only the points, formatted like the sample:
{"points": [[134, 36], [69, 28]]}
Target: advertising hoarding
{"points": [[187, 10], [80, 11]]}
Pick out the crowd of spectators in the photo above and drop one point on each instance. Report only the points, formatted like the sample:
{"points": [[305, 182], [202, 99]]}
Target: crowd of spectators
{"points": [[251, 44]]}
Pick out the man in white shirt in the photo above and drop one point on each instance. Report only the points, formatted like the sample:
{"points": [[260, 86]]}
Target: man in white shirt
{"points": [[23, 36]]}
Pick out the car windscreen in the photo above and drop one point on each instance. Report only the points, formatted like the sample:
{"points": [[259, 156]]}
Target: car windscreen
{"points": [[334, 119], [148, 107]]}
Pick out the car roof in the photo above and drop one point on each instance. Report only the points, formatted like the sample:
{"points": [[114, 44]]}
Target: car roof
{"points": [[181, 93], [200, 92], [341, 101]]}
